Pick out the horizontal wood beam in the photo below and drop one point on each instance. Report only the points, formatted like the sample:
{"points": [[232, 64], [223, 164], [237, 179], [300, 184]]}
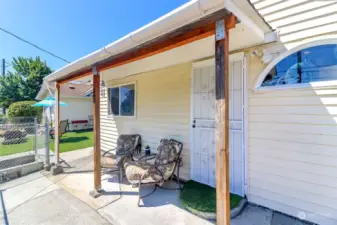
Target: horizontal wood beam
{"points": [[182, 36]]}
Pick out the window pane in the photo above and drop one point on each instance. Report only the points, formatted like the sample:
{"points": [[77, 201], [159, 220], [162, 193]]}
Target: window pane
{"points": [[127, 100], [317, 63], [114, 101]]}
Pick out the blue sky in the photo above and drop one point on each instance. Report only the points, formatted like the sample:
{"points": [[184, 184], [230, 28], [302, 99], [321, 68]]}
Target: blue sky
{"points": [[73, 28]]}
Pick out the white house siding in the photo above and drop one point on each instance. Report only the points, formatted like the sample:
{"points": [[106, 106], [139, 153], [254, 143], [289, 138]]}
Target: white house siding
{"points": [[292, 133], [77, 109], [299, 21], [162, 110], [292, 149]]}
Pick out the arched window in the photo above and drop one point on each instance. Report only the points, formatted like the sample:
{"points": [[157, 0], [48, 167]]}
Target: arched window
{"points": [[318, 63]]}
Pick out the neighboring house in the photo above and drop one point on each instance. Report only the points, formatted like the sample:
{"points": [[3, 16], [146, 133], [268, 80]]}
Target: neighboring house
{"points": [[283, 97], [79, 108]]}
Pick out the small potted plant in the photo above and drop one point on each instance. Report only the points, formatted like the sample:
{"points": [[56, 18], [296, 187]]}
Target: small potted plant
{"points": [[147, 150]]}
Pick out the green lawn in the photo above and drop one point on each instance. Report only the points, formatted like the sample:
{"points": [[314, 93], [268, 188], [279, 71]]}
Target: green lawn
{"points": [[69, 141], [16, 148], [203, 197]]}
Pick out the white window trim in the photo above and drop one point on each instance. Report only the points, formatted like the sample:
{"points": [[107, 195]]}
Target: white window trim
{"points": [[135, 107], [261, 77]]}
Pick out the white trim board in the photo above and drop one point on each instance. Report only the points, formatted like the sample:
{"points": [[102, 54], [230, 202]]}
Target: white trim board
{"points": [[108, 100]]}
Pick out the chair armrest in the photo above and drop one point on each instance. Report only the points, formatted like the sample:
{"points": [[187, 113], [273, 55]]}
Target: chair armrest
{"points": [[124, 152], [109, 151], [147, 157], [178, 161]]}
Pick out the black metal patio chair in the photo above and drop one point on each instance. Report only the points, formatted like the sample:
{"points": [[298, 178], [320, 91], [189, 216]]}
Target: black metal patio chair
{"points": [[127, 145], [64, 124], [166, 162]]}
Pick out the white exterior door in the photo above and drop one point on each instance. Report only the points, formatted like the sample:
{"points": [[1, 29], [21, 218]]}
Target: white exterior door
{"points": [[203, 123]]}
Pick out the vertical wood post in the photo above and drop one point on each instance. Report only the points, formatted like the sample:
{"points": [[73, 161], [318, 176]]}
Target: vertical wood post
{"points": [[57, 124], [97, 130], [222, 124]]}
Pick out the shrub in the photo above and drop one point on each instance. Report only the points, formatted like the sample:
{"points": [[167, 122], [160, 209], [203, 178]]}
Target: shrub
{"points": [[14, 137], [24, 109], [2, 133]]}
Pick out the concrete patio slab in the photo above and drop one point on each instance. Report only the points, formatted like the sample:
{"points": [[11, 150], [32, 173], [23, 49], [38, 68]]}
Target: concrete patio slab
{"points": [[78, 178], [22, 180], [17, 195], [41, 198], [253, 215], [57, 207], [163, 207], [281, 219]]}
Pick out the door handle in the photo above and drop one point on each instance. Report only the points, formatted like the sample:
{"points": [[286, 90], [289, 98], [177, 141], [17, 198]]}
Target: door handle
{"points": [[193, 125]]}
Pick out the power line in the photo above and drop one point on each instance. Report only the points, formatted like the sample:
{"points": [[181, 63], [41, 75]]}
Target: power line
{"points": [[30, 43]]}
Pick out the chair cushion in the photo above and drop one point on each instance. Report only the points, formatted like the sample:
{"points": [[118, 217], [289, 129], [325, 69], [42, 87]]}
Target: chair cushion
{"points": [[111, 161], [126, 142], [134, 170], [161, 170], [168, 151]]}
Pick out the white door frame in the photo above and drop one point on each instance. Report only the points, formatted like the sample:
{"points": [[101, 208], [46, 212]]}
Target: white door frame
{"points": [[209, 62]]}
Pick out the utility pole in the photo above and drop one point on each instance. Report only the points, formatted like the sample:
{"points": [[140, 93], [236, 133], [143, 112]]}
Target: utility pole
{"points": [[3, 67]]}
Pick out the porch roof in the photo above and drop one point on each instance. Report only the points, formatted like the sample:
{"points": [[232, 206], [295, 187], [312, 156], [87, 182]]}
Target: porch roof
{"points": [[195, 17], [184, 15]]}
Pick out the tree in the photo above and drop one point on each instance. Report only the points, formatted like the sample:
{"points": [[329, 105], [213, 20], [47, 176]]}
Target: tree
{"points": [[24, 82], [9, 86]]}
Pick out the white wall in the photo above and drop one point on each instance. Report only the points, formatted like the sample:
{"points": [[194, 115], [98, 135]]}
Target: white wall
{"points": [[292, 133], [162, 110], [292, 149], [77, 109]]}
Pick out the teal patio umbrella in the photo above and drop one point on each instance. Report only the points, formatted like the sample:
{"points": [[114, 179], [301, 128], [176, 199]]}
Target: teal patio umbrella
{"points": [[48, 102]]}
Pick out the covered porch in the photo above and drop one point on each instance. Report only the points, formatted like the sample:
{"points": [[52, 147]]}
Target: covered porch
{"points": [[65, 200], [158, 69]]}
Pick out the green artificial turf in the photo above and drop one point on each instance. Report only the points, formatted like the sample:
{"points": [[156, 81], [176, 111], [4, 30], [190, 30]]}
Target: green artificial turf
{"points": [[203, 197], [68, 142]]}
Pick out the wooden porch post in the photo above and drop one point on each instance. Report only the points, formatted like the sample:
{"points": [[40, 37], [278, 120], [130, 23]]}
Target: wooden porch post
{"points": [[57, 124], [222, 120], [97, 133]]}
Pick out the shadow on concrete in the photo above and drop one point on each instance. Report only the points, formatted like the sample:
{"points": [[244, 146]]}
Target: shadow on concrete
{"points": [[78, 171]]}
